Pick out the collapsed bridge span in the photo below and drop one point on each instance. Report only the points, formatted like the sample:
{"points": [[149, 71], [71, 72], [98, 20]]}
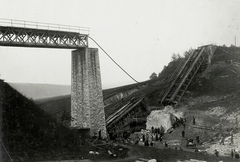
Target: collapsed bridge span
{"points": [[176, 86]]}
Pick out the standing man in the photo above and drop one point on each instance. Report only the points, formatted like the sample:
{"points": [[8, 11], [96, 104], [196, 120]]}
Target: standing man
{"points": [[231, 139], [194, 122], [198, 140], [183, 133], [222, 141], [216, 153]]}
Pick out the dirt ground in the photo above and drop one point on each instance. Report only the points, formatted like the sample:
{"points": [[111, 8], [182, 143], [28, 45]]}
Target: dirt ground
{"points": [[164, 155]]}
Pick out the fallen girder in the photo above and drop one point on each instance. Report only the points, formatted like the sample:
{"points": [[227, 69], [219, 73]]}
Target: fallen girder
{"points": [[176, 86]]}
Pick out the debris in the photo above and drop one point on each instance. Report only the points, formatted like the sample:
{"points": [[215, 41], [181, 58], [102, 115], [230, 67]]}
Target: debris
{"points": [[175, 142], [97, 153], [92, 144], [95, 140], [146, 160], [225, 150], [234, 71], [191, 160], [190, 142], [225, 76], [94, 153], [110, 153], [141, 136], [152, 160], [195, 160], [143, 159], [216, 111]]}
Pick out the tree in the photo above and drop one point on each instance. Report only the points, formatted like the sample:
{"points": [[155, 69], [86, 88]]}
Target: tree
{"points": [[153, 76], [175, 56], [188, 53]]}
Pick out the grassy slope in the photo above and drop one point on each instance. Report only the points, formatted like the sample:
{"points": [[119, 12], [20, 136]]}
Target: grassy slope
{"points": [[55, 106]]}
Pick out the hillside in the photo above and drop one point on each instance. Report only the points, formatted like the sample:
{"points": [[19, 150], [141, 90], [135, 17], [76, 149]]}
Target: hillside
{"points": [[48, 91], [213, 100], [38, 91], [55, 106], [219, 84], [29, 132]]}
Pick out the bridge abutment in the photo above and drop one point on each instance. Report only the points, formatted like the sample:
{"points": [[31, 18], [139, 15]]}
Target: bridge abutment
{"points": [[87, 109]]}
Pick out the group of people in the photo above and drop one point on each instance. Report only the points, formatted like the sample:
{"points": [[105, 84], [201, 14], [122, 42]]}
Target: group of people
{"points": [[179, 122], [158, 133]]}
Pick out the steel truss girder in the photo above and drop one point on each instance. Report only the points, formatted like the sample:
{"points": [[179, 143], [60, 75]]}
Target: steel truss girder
{"points": [[180, 92], [178, 86], [26, 37], [116, 116]]}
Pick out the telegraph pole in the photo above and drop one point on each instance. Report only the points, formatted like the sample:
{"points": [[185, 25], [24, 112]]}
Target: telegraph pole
{"points": [[235, 40]]}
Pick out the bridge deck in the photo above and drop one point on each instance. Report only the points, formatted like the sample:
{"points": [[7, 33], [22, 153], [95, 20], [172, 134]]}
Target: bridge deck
{"points": [[28, 37]]}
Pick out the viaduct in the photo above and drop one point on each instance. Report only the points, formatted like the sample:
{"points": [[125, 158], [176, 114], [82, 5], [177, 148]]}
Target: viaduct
{"points": [[87, 109]]}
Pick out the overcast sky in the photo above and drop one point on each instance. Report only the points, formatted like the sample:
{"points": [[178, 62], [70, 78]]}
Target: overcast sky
{"points": [[141, 35]]}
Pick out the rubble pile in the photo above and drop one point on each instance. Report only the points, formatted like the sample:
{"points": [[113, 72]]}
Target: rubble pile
{"points": [[233, 117], [141, 136], [201, 100], [217, 111], [225, 148]]}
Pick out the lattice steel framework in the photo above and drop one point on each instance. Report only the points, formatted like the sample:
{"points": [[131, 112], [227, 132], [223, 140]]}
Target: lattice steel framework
{"points": [[174, 90], [27, 37]]}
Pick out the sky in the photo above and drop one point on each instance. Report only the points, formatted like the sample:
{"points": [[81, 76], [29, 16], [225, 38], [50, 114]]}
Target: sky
{"points": [[140, 35]]}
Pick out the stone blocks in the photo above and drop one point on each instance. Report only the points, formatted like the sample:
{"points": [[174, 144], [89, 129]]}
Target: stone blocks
{"points": [[87, 109]]}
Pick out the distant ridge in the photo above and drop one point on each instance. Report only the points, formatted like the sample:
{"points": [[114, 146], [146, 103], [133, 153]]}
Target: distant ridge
{"points": [[38, 91]]}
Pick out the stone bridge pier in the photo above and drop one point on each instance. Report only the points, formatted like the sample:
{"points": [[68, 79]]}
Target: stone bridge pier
{"points": [[87, 108]]}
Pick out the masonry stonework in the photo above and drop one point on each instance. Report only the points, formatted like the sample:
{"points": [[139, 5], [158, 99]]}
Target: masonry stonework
{"points": [[87, 109], [1, 118]]}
